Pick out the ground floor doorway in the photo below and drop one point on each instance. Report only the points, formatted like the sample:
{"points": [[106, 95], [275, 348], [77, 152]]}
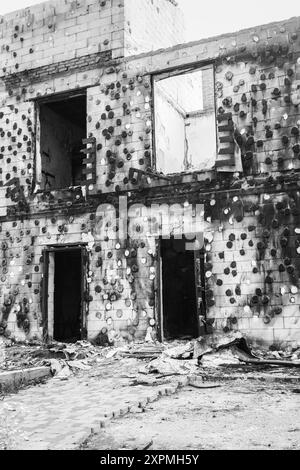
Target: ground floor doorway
{"points": [[67, 296], [179, 291], [64, 279]]}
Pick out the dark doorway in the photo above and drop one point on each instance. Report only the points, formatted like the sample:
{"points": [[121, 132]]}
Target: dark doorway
{"points": [[67, 296], [180, 317]]}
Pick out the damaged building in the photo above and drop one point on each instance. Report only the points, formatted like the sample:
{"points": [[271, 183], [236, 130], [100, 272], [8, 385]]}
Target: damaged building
{"points": [[113, 133]]}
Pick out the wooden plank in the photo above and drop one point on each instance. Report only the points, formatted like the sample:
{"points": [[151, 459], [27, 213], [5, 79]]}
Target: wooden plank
{"points": [[224, 117], [91, 160], [87, 171], [88, 150], [15, 181], [226, 138], [227, 151], [227, 128], [90, 181], [225, 162]]}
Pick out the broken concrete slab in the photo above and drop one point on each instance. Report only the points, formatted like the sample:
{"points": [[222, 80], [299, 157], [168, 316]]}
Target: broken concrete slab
{"points": [[16, 378], [232, 349]]}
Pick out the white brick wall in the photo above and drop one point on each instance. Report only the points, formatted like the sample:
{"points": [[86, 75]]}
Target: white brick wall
{"points": [[151, 25], [36, 35]]}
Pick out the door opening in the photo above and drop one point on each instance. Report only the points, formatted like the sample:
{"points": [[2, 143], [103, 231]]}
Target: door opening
{"points": [[67, 295], [179, 303]]}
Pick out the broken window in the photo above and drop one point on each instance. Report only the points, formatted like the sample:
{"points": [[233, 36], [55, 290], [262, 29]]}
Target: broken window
{"points": [[62, 129], [185, 124]]}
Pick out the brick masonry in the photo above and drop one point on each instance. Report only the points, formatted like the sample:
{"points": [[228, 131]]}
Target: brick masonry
{"points": [[251, 206], [152, 25]]}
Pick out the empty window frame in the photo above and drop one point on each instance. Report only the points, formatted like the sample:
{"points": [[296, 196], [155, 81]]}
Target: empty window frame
{"points": [[62, 127], [185, 124]]}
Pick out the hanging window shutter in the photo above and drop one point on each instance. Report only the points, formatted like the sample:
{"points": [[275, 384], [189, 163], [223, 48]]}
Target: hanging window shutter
{"points": [[228, 158], [89, 162]]}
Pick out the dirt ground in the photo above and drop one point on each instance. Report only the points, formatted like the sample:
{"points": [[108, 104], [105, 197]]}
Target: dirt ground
{"points": [[239, 414]]}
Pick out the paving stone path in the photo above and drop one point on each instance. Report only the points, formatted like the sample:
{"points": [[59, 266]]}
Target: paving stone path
{"points": [[60, 414]]}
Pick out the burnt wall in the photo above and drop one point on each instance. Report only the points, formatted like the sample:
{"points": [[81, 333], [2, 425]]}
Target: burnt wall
{"points": [[251, 195]]}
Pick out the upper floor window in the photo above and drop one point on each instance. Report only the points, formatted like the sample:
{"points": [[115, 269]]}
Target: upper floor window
{"points": [[60, 134], [185, 124]]}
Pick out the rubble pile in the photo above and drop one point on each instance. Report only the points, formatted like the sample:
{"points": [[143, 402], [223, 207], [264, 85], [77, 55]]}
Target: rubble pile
{"points": [[143, 350], [157, 359], [233, 349], [292, 354], [27, 355], [17, 356]]}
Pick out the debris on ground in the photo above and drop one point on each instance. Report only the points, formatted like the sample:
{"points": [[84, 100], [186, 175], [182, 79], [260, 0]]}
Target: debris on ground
{"points": [[210, 343], [289, 353], [77, 351], [204, 385], [143, 350], [198, 382], [180, 357], [56, 355], [166, 366], [233, 349]]}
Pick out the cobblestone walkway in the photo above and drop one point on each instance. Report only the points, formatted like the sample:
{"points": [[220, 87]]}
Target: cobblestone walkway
{"points": [[60, 414]]}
